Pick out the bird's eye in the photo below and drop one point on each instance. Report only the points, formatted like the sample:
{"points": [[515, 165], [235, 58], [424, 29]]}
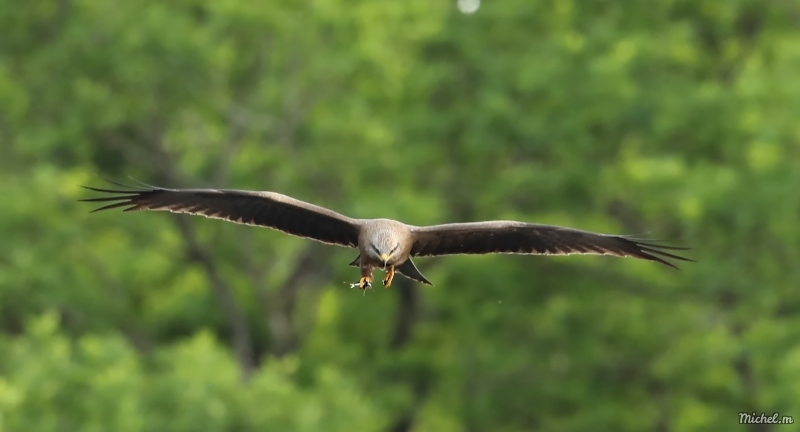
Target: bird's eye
{"points": [[375, 249], [394, 249]]}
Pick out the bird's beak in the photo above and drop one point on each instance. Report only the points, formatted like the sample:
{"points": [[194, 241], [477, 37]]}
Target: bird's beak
{"points": [[384, 258]]}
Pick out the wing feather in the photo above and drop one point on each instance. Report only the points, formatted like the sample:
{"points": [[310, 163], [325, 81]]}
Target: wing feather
{"points": [[265, 209], [532, 239]]}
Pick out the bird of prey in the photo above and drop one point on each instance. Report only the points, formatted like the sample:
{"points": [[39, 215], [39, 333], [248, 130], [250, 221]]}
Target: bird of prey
{"points": [[382, 243]]}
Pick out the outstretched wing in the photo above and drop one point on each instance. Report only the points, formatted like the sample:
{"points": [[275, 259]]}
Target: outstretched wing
{"points": [[266, 209], [533, 239]]}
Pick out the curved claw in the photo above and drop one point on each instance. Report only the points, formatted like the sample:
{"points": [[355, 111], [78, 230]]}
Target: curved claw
{"points": [[362, 284], [387, 281]]}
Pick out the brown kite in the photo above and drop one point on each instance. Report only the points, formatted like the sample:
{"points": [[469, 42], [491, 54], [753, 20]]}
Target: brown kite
{"points": [[382, 243]]}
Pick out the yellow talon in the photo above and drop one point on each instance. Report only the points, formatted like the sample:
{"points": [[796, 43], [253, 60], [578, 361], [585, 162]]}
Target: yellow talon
{"points": [[363, 283], [387, 280]]}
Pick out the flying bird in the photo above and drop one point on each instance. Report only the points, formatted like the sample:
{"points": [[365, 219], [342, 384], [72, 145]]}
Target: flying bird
{"points": [[382, 243]]}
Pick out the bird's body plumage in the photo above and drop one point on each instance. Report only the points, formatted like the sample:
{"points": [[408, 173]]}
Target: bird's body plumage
{"points": [[382, 243]]}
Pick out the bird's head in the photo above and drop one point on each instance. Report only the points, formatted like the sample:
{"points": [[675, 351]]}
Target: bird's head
{"points": [[383, 249], [385, 241]]}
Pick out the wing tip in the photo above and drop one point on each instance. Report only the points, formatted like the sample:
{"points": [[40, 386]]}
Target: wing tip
{"points": [[117, 197], [112, 206], [651, 252]]}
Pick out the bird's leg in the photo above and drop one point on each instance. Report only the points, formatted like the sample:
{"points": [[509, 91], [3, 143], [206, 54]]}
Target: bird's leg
{"points": [[387, 280], [363, 283], [366, 279]]}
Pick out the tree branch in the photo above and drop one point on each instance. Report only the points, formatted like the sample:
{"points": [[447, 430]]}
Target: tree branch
{"points": [[237, 322], [408, 310], [162, 163]]}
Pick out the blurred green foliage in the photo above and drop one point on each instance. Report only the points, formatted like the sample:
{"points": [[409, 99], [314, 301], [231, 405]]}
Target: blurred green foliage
{"points": [[672, 117]]}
